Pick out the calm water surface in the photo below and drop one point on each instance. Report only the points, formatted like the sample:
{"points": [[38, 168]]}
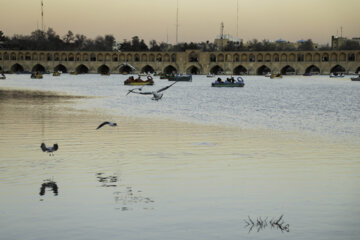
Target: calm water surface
{"points": [[194, 165]]}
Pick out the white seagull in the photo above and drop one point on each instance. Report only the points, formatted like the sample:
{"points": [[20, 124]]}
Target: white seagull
{"points": [[49, 149], [107, 123], [157, 95]]}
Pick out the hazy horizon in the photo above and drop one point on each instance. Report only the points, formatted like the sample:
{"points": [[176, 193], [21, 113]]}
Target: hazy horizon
{"points": [[199, 20]]}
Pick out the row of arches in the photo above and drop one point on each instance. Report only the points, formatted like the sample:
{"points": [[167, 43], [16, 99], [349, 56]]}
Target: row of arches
{"points": [[81, 69], [287, 70], [285, 57], [109, 57], [191, 57], [217, 70]]}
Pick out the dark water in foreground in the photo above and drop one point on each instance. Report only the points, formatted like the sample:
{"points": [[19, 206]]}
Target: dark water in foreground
{"points": [[163, 179]]}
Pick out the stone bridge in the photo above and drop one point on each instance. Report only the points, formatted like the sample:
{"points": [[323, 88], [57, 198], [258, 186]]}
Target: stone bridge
{"points": [[190, 61]]}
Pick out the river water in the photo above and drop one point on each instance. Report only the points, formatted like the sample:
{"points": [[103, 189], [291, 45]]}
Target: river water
{"points": [[194, 165]]}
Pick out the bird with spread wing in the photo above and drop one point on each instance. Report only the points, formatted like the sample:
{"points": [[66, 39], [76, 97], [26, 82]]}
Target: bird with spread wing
{"points": [[157, 95]]}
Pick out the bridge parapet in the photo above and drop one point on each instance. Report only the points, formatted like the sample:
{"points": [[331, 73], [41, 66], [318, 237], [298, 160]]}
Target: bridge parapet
{"points": [[190, 61]]}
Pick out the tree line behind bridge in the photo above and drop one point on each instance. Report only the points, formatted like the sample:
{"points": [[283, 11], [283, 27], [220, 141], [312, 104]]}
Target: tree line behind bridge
{"points": [[50, 41]]}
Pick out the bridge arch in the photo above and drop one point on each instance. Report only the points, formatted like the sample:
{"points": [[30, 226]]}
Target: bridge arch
{"points": [[38, 68], [151, 58], [34, 57], [236, 58], [337, 69], [166, 58], [325, 57], [125, 69], [342, 57], [312, 70], [220, 58], [357, 70], [292, 57], [82, 69], [333, 57], [251, 58], [263, 70], [288, 70], [17, 68], [13, 56], [147, 69], [159, 58], [71, 57], [114, 57], [103, 69], [99, 57], [170, 69], [316, 57], [228, 58], [217, 70], [137, 58], [193, 70], [193, 57], [107, 57], [144, 58], [244, 57], [60, 68], [267, 57], [240, 70]]}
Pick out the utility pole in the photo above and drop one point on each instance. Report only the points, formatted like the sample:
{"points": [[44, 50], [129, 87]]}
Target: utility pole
{"points": [[177, 20], [42, 15], [237, 20], [341, 30], [221, 36]]}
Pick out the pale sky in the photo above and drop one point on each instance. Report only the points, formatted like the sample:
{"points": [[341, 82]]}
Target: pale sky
{"points": [[199, 20]]}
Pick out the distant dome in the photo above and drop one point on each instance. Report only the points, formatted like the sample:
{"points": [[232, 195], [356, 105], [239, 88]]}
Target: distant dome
{"points": [[280, 40], [301, 41]]}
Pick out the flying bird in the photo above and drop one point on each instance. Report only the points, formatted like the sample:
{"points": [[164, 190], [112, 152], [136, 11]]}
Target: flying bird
{"points": [[107, 123], [49, 149], [157, 95], [134, 89]]}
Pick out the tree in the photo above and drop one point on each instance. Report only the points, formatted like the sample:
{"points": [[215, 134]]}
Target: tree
{"points": [[2, 36], [69, 37], [154, 46], [306, 46]]}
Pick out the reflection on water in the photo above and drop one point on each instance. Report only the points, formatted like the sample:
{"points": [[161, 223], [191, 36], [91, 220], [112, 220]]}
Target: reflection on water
{"points": [[107, 181], [260, 224], [205, 179], [50, 185], [129, 199], [125, 197]]}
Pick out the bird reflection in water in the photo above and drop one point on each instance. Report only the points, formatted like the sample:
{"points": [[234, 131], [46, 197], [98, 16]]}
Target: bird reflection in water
{"points": [[107, 181], [125, 197], [49, 184]]}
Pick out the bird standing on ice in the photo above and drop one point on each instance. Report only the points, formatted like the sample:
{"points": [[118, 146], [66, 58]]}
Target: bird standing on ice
{"points": [[49, 149], [107, 123]]}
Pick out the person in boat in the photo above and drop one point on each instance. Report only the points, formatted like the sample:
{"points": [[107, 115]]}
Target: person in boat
{"points": [[218, 80], [149, 79]]}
